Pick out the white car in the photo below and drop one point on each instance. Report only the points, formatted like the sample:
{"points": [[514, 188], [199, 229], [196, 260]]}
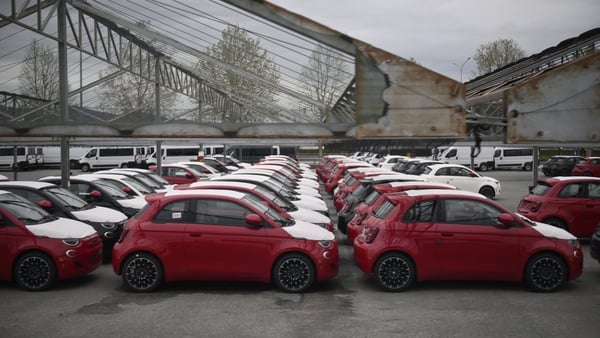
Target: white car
{"points": [[463, 178], [389, 160]]}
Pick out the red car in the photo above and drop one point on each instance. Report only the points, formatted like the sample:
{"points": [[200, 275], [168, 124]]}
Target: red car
{"points": [[589, 166], [376, 198], [420, 235], [568, 202], [38, 249], [205, 234]]}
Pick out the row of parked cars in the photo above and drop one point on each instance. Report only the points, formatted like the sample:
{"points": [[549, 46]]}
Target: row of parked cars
{"points": [[269, 223], [426, 227]]}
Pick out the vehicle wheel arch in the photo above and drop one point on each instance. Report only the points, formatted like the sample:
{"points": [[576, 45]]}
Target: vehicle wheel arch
{"points": [[491, 191], [395, 251], [162, 275], [140, 251]]}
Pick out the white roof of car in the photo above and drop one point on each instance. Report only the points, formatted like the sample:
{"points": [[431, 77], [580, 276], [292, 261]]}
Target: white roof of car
{"points": [[237, 177], [30, 184], [445, 192], [397, 176], [206, 192], [222, 183], [576, 178], [423, 183]]}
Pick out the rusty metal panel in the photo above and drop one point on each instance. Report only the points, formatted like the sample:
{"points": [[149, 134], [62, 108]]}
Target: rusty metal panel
{"points": [[399, 98], [559, 106]]}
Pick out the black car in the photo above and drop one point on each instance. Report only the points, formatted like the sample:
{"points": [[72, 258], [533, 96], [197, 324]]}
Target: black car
{"points": [[61, 202], [100, 192], [560, 165]]}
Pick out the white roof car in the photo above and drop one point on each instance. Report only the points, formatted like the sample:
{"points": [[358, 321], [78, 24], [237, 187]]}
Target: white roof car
{"points": [[463, 178]]}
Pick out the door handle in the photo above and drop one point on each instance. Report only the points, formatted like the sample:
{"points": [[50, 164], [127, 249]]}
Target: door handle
{"points": [[447, 234], [194, 234]]}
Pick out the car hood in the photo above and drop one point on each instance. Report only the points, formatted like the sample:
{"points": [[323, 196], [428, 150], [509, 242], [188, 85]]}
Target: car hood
{"points": [[309, 215], [100, 215], [309, 231], [551, 231], [137, 202], [62, 228]]}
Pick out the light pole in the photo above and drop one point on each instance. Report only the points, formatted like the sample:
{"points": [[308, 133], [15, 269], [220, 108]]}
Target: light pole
{"points": [[463, 66]]}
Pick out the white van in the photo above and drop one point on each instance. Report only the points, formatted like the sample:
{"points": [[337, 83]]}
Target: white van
{"points": [[506, 158], [26, 157], [173, 154], [50, 156], [484, 161], [213, 149], [111, 157]]}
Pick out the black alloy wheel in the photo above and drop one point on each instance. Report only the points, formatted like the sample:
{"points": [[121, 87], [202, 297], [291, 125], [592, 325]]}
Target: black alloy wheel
{"points": [[545, 272], [294, 273], [35, 271], [142, 272], [394, 272]]}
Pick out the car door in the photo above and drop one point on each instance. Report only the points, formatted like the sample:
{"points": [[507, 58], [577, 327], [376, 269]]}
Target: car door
{"points": [[220, 245], [579, 204], [470, 245], [12, 237], [463, 178]]}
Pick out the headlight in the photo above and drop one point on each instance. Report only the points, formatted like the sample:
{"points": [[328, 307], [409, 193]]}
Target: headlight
{"points": [[108, 226], [574, 243], [71, 241], [326, 244]]}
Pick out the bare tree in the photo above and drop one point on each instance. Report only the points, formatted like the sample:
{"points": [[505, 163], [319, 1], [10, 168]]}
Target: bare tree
{"points": [[497, 54], [132, 95], [324, 78], [240, 51], [39, 73]]}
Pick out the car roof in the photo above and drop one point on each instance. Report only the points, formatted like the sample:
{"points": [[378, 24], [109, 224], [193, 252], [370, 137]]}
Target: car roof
{"points": [[258, 178], [396, 176], [29, 184], [421, 183], [223, 184], [206, 192], [556, 179], [446, 165], [435, 192]]}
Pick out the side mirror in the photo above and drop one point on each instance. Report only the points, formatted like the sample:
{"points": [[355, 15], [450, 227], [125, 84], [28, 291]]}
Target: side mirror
{"points": [[127, 190], [188, 175], [506, 220], [253, 219], [96, 194], [45, 204]]}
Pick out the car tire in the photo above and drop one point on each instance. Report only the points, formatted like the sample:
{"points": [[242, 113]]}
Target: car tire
{"points": [[394, 272], [557, 222], [528, 166], [294, 273], [545, 272], [35, 271], [484, 167], [488, 192], [85, 167], [142, 272]]}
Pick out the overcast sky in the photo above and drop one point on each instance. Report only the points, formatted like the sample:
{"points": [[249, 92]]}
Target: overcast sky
{"points": [[442, 34]]}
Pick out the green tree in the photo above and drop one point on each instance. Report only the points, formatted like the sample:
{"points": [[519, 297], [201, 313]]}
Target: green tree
{"points": [[240, 51], [324, 78], [497, 54]]}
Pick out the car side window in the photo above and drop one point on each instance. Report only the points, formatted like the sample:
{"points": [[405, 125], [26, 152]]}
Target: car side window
{"points": [[175, 212], [469, 212], [594, 190], [220, 212], [420, 212], [575, 190]]}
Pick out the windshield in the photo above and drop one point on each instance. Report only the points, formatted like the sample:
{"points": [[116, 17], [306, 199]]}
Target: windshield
{"points": [[288, 206], [68, 198], [144, 189], [540, 189], [112, 189], [25, 211], [267, 210]]}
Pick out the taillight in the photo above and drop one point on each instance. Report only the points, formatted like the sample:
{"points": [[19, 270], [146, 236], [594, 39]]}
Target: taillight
{"points": [[370, 234]]}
